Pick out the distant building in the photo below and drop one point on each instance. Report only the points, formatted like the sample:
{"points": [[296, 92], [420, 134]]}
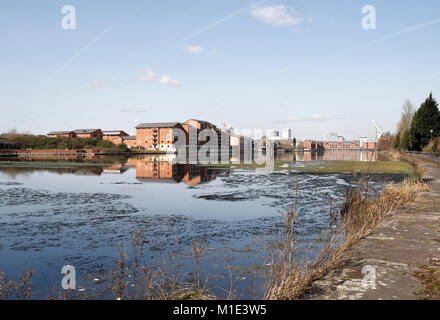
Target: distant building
{"points": [[286, 133], [55, 134], [198, 126], [284, 144], [274, 135], [88, 133], [369, 145], [158, 135], [130, 141], [333, 137], [115, 136]]}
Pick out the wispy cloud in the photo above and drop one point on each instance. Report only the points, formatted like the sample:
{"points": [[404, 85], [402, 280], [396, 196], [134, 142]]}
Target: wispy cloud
{"points": [[361, 46], [407, 30], [86, 47], [279, 15], [435, 75], [149, 76], [103, 84], [132, 110], [219, 21], [310, 118], [192, 49], [146, 75], [82, 50], [169, 81]]}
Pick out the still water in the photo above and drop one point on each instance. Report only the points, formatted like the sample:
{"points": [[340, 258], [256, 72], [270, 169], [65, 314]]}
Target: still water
{"points": [[52, 215]]}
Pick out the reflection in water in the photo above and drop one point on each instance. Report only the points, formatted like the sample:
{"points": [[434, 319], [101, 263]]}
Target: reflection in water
{"points": [[148, 170], [330, 155], [163, 168]]}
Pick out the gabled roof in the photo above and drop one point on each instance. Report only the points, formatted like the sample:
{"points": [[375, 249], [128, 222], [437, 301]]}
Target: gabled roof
{"points": [[200, 121], [59, 132], [158, 125], [114, 132], [85, 131]]}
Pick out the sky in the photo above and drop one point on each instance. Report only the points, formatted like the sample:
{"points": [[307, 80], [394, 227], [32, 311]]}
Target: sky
{"points": [[308, 65]]}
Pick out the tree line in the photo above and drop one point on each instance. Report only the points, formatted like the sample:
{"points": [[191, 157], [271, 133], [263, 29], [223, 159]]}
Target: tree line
{"points": [[29, 141], [418, 130]]}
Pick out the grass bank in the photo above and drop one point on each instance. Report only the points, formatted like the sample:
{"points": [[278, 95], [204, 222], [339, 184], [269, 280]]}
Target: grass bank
{"points": [[291, 276]]}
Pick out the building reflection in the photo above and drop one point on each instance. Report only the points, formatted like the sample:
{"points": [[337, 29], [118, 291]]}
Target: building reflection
{"points": [[154, 170], [329, 155]]}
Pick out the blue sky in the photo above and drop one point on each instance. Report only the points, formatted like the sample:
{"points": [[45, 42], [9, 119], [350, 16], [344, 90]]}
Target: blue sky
{"points": [[306, 65]]}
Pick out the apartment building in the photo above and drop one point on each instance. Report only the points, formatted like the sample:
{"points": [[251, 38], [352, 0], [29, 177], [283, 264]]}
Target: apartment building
{"points": [[158, 135], [115, 136], [88, 133], [130, 141], [194, 137]]}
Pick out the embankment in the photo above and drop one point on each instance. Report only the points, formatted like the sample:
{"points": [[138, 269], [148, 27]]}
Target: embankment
{"points": [[400, 259]]}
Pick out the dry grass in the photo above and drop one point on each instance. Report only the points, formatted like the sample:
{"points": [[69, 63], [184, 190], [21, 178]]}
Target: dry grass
{"points": [[291, 276], [21, 288], [396, 156]]}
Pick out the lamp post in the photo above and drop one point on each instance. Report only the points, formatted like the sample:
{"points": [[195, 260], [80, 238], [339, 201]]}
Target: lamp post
{"points": [[431, 133]]}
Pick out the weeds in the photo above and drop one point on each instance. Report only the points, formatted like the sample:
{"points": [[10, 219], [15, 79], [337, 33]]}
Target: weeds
{"points": [[291, 275], [20, 288]]}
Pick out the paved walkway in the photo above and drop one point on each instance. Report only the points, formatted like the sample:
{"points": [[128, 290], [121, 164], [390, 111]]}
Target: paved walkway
{"points": [[403, 255]]}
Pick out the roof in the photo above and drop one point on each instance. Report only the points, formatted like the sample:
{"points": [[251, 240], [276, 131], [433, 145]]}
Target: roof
{"points": [[129, 138], [85, 130], [113, 132], [158, 125], [59, 132], [200, 121]]}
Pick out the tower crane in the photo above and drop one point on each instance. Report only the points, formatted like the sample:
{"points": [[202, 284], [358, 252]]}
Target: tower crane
{"points": [[379, 130]]}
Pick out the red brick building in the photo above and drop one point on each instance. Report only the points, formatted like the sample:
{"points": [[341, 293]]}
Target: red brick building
{"points": [[369, 145], [223, 137], [115, 136], [159, 135], [168, 172], [88, 133], [130, 141], [55, 134]]}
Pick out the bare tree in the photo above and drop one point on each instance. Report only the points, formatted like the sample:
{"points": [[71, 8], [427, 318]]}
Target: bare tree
{"points": [[406, 117]]}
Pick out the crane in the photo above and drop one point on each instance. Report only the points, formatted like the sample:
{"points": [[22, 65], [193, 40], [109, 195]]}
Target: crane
{"points": [[379, 130]]}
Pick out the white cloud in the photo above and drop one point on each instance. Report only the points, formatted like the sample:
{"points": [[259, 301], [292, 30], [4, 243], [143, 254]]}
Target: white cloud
{"points": [[149, 76], [146, 75], [192, 49], [169, 81], [279, 15]]}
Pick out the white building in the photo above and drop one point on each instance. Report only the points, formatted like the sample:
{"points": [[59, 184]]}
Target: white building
{"points": [[286, 133], [333, 137]]}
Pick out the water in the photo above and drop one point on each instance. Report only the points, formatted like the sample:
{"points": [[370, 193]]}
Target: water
{"points": [[55, 213]]}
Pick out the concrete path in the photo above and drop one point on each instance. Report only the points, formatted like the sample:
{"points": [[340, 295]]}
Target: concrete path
{"points": [[400, 260]]}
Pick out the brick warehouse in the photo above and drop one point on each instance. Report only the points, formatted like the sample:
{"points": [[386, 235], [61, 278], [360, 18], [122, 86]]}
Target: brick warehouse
{"points": [[115, 136], [159, 136]]}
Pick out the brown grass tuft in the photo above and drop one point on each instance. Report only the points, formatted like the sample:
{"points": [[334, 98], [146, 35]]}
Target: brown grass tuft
{"points": [[291, 276]]}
